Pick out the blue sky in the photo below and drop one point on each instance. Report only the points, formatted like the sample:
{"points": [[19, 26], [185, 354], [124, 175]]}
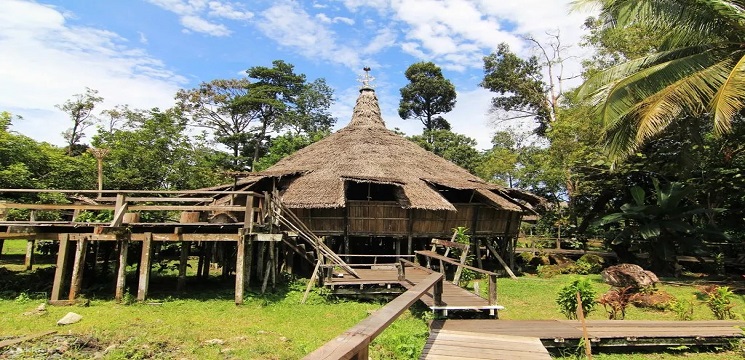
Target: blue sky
{"points": [[140, 52]]}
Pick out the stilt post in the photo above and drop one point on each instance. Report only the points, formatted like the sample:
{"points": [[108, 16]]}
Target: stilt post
{"points": [[240, 269], [121, 270], [183, 262], [59, 273], [78, 266], [145, 260], [29, 261]]}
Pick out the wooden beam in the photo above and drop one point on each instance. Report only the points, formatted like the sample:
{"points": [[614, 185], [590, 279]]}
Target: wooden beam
{"points": [[145, 265], [499, 258], [121, 271], [248, 217], [119, 211], [59, 273], [77, 269]]}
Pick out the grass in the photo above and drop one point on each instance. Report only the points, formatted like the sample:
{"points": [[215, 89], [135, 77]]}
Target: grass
{"points": [[276, 325]]}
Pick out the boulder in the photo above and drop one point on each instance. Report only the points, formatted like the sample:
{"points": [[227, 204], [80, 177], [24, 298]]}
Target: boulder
{"points": [[561, 260], [70, 318], [623, 275]]}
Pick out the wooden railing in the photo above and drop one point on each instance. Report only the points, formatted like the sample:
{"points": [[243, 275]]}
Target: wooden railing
{"points": [[354, 343], [492, 276], [124, 201]]}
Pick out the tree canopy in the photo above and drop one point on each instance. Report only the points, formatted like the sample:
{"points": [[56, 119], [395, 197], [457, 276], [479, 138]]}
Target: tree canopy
{"points": [[427, 94]]}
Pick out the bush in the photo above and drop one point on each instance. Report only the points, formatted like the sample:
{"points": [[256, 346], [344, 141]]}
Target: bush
{"points": [[683, 309], [651, 298], [590, 264], [567, 298], [719, 300]]}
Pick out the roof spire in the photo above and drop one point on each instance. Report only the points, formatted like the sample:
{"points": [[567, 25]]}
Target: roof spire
{"points": [[366, 79]]}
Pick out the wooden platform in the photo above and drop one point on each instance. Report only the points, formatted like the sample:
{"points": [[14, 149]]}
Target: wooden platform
{"points": [[453, 297], [518, 339]]}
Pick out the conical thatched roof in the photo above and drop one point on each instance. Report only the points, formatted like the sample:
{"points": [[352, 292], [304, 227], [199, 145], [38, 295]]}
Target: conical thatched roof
{"points": [[365, 151]]}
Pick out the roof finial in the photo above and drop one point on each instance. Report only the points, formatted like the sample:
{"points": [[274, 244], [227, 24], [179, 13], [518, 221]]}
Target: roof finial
{"points": [[366, 79]]}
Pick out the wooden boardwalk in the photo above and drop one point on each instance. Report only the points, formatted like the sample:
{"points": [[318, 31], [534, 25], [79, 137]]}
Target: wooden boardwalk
{"points": [[528, 339], [453, 297]]}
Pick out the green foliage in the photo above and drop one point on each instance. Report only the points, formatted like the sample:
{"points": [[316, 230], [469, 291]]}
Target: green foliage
{"points": [[519, 84], [103, 216], [719, 300], [80, 111], [427, 94], [567, 298], [454, 147], [23, 298], [683, 309], [590, 264], [285, 145]]}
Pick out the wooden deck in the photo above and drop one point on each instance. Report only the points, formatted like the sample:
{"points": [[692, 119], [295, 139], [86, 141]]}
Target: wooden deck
{"points": [[520, 339], [453, 297]]}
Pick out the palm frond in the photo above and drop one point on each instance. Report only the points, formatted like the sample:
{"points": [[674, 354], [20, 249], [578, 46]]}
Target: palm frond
{"points": [[730, 98]]}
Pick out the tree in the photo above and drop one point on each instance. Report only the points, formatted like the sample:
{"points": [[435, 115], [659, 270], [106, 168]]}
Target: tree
{"points": [[310, 113], [523, 92], [697, 69], [285, 145], [427, 94], [271, 96], [6, 120], [457, 148], [213, 106], [80, 110]]}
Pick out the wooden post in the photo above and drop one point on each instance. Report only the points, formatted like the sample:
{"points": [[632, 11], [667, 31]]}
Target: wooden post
{"points": [[77, 268], [207, 258], [121, 271], [3, 217], [249, 259], [260, 259], [183, 262], [248, 219], [410, 229], [200, 262], [492, 289], [145, 259], [240, 270], [401, 271], [437, 292], [29, 261], [474, 242], [59, 273], [581, 317]]}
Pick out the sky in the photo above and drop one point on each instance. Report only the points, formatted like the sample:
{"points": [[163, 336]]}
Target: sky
{"points": [[141, 52]]}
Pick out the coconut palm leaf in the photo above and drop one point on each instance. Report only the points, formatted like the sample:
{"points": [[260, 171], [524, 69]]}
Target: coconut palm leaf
{"points": [[729, 100]]}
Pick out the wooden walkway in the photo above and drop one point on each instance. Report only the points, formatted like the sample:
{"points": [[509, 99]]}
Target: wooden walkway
{"points": [[453, 297], [528, 339]]}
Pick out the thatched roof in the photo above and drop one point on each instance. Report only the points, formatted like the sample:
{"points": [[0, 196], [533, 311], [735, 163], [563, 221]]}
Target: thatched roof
{"points": [[366, 151]]}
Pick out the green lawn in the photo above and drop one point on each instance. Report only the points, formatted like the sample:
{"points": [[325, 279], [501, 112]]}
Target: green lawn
{"points": [[275, 326]]}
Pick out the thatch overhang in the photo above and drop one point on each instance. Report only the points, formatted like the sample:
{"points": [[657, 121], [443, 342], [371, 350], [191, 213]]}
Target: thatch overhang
{"points": [[365, 151]]}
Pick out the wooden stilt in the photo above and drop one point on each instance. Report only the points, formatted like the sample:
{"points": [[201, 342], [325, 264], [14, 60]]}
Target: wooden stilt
{"points": [[29, 262], [499, 258], [273, 263], [398, 248], [59, 273], [77, 269], [200, 262], [145, 259], [240, 271], [289, 260], [226, 250], [207, 258], [249, 259], [260, 259], [2, 243], [121, 270], [183, 262], [312, 279]]}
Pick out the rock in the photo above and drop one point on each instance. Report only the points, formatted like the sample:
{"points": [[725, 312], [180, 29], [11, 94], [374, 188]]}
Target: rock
{"points": [[214, 342], [560, 260], [42, 307], [70, 318], [284, 339], [261, 332], [623, 275]]}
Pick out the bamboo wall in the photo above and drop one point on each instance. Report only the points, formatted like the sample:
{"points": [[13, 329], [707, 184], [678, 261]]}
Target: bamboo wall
{"points": [[387, 218]]}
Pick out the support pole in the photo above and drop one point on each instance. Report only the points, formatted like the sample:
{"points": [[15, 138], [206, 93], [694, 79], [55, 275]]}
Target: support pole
{"points": [[29, 261], [183, 262], [77, 269], [410, 229], [249, 259], [240, 270], [121, 271], [59, 273], [145, 259]]}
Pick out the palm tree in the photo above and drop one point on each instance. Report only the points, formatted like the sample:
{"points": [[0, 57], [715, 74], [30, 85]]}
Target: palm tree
{"points": [[698, 69]]}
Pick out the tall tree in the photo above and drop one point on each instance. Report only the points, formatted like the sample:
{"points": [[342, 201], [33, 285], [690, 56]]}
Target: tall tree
{"points": [[310, 113], [80, 110], [698, 68], [523, 91], [457, 148], [272, 95], [212, 105], [427, 94]]}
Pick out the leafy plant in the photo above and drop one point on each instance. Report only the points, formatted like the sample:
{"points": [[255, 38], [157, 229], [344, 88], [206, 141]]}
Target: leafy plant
{"points": [[615, 302], [22, 298], [462, 237], [567, 298], [683, 309], [719, 300]]}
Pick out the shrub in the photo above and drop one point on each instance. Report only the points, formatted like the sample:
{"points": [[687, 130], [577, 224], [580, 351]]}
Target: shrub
{"points": [[719, 300], [590, 264], [567, 298], [683, 309], [651, 298], [615, 302]]}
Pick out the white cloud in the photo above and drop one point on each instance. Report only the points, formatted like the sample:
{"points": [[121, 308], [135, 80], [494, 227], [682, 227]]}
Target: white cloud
{"points": [[192, 14], [288, 24], [45, 61], [143, 38]]}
